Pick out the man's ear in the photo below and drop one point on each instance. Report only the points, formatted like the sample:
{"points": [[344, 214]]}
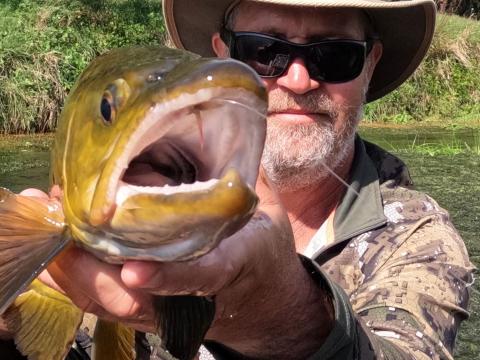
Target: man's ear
{"points": [[374, 56], [218, 46]]}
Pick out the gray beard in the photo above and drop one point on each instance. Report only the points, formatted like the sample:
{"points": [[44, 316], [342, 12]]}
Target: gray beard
{"points": [[299, 156]]}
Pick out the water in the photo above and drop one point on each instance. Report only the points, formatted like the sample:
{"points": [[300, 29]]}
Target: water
{"points": [[443, 163], [24, 162], [452, 177]]}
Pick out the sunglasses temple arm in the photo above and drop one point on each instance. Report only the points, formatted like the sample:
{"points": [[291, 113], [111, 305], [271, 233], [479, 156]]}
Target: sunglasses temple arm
{"points": [[227, 37]]}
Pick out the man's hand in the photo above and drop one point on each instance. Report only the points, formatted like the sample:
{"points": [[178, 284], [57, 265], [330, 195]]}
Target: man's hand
{"points": [[267, 306], [259, 284]]}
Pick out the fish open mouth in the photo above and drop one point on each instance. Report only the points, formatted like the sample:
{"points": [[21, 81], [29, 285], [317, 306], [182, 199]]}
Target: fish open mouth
{"points": [[160, 164], [189, 143]]}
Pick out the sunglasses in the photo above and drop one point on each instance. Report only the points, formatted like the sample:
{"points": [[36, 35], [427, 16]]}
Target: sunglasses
{"points": [[331, 61]]}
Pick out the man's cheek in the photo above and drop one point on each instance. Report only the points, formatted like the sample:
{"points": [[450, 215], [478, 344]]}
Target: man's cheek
{"points": [[347, 94]]}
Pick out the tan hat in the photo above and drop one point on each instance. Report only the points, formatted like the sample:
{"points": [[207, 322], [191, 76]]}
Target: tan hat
{"points": [[404, 27]]}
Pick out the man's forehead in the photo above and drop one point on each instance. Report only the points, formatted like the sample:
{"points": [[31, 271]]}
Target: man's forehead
{"points": [[295, 21]]}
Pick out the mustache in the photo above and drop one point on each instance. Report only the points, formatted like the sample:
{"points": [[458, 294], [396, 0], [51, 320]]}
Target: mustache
{"points": [[313, 102], [280, 100]]}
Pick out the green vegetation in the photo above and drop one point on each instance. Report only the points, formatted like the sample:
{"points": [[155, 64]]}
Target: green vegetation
{"points": [[450, 146], [446, 87], [44, 44], [425, 141]]}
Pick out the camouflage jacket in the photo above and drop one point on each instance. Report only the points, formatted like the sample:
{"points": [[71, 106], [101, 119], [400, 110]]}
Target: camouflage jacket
{"points": [[398, 270]]}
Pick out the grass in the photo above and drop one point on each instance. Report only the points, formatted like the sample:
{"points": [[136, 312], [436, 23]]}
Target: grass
{"points": [[443, 147], [45, 44], [425, 140], [445, 86]]}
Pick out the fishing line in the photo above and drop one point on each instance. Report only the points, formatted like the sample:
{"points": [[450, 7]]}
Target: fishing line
{"points": [[329, 169]]}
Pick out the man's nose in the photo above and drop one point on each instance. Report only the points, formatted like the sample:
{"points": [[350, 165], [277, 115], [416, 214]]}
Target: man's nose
{"points": [[297, 79]]}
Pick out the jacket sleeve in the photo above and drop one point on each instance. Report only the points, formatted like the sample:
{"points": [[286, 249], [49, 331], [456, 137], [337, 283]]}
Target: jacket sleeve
{"points": [[408, 284], [399, 292]]}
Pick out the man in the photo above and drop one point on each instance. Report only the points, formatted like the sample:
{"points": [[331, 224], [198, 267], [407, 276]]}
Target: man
{"points": [[391, 249], [382, 272]]}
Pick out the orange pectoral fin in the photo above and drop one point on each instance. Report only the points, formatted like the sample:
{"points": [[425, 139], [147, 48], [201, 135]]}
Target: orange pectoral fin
{"points": [[32, 233]]}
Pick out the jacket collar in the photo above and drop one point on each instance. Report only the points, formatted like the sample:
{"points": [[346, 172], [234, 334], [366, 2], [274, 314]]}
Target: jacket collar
{"points": [[361, 208]]}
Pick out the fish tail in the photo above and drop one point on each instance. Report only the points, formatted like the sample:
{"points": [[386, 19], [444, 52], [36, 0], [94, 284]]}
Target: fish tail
{"points": [[113, 341], [44, 322], [183, 322], [32, 233]]}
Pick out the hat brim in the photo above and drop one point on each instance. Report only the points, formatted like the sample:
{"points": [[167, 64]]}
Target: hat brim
{"points": [[405, 27]]}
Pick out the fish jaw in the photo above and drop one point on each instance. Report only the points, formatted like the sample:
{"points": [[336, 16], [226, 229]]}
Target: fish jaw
{"points": [[211, 139], [151, 225]]}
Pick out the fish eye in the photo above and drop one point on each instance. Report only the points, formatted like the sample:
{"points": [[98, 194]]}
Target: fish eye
{"points": [[107, 109], [114, 97]]}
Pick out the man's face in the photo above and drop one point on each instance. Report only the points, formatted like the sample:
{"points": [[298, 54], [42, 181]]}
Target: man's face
{"points": [[310, 122]]}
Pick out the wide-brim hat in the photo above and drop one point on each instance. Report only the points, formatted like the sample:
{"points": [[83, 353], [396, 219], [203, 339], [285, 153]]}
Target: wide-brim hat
{"points": [[405, 28]]}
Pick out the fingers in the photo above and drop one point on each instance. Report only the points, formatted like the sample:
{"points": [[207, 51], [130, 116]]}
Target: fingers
{"points": [[97, 287], [239, 259], [201, 277]]}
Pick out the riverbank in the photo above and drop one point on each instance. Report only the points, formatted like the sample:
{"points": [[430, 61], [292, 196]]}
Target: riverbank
{"points": [[46, 44], [426, 138], [446, 84]]}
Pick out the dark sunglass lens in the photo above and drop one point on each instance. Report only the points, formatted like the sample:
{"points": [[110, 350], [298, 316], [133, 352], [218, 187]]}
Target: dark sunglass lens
{"points": [[266, 56], [336, 61]]}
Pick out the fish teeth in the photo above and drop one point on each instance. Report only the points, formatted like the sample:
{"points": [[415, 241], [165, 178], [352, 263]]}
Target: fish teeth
{"points": [[126, 190]]}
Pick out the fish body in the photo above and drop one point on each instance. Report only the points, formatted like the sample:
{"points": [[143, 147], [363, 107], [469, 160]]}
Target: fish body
{"points": [[156, 154]]}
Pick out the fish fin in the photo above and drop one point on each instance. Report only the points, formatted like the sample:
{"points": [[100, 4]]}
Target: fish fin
{"points": [[44, 322], [183, 322], [31, 234], [113, 341]]}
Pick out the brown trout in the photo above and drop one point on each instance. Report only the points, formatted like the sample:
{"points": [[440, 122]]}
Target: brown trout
{"points": [[157, 154]]}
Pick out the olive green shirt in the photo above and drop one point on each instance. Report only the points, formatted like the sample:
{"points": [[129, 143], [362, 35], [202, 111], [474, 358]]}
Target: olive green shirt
{"points": [[398, 271]]}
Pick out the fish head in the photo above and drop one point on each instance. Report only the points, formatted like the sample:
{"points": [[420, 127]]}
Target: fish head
{"points": [[157, 153]]}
